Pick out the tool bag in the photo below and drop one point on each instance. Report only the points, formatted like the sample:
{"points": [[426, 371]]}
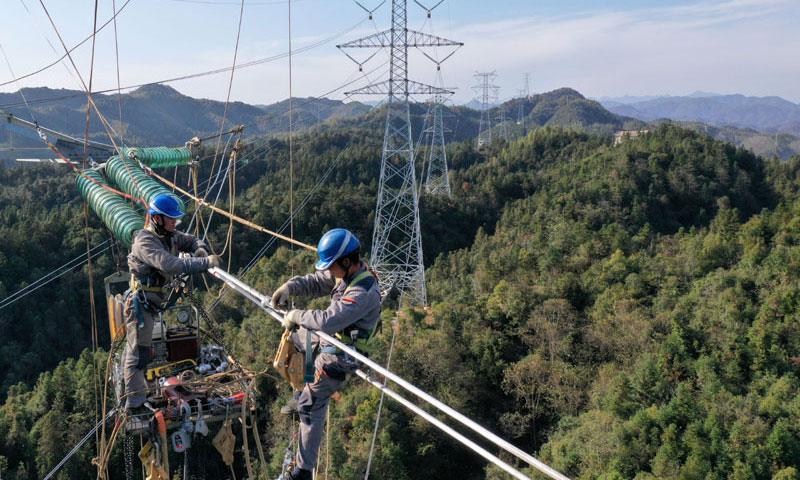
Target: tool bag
{"points": [[289, 362]]}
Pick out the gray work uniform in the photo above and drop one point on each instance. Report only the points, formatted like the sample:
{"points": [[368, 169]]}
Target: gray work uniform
{"points": [[360, 307], [152, 261]]}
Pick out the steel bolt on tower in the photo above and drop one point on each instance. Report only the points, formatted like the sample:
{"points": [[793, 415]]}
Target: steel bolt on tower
{"points": [[487, 93], [437, 181], [396, 241]]}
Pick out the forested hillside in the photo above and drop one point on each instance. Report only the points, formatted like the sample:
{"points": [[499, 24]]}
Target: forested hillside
{"points": [[624, 312]]}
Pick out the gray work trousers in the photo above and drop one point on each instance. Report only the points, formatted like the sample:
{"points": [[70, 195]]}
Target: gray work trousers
{"points": [[312, 405], [136, 355]]}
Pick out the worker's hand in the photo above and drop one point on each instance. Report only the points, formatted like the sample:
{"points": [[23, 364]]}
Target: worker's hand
{"points": [[200, 252], [214, 261], [281, 296], [290, 320]]}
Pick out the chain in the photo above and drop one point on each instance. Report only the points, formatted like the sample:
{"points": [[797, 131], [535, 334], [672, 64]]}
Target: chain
{"points": [[128, 448], [213, 326]]}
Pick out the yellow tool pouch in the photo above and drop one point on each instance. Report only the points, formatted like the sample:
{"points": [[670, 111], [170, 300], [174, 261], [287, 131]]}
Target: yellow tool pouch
{"points": [[289, 362]]}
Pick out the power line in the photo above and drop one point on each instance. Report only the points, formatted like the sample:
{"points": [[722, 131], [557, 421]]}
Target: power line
{"points": [[68, 51], [184, 77]]}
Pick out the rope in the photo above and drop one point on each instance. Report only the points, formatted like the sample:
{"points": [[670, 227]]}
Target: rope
{"points": [[92, 306], [245, 444], [71, 49], [116, 56], [291, 126], [230, 86], [111, 354], [221, 70], [234, 217], [380, 403], [285, 224]]}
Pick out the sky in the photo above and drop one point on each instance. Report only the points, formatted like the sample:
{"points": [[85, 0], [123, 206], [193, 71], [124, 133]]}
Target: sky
{"points": [[600, 48]]}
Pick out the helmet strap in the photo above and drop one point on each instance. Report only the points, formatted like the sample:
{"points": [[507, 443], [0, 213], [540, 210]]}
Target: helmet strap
{"points": [[159, 226]]}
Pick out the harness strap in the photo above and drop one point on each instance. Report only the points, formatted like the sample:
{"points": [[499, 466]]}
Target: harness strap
{"points": [[308, 373], [356, 279]]}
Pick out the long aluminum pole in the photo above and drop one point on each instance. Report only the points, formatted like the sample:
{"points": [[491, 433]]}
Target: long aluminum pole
{"points": [[264, 302], [444, 427]]}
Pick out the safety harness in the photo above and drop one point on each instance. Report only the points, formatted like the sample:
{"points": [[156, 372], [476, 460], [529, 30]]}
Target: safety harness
{"points": [[152, 283], [287, 360], [353, 336]]}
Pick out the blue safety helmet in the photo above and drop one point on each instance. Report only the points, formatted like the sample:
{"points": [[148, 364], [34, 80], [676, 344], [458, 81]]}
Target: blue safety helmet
{"points": [[166, 205], [334, 245]]}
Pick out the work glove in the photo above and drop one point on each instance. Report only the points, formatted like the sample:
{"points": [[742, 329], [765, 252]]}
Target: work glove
{"points": [[281, 296], [200, 252], [290, 320], [214, 261]]}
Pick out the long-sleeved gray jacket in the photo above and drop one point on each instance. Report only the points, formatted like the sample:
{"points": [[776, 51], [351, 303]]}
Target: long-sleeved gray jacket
{"points": [[151, 253], [360, 306]]}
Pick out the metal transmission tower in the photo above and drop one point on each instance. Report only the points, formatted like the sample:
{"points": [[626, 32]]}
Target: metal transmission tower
{"points": [[501, 123], [487, 93], [524, 93], [396, 241], [437, 181]]}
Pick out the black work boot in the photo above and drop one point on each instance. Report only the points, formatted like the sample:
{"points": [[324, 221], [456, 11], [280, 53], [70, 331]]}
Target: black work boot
{"points": [[298, 473]]}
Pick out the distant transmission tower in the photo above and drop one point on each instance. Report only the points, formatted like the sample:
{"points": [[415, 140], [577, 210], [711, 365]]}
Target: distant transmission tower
{"points": [[437, 181], [502, 131], [524, 93], [487, 93], [396, 241]]}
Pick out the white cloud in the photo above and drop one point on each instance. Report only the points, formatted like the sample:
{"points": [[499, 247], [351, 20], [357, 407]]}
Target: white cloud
{"points": [[743, 46]]}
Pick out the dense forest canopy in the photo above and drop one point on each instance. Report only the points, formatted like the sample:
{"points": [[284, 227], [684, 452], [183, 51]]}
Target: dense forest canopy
{"points": [[623, 311]]}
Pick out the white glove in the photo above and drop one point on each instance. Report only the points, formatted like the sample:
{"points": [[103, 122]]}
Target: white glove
{"points": [[200, 252], [281, 296], [290, 320]]}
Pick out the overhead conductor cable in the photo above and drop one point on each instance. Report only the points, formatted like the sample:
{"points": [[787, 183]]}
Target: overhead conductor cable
{"points": [[265, 304]]}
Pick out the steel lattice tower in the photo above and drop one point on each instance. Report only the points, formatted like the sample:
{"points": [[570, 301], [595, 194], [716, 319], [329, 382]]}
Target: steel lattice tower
{"points": [[524, 93], [396, 240], [487, 93], [501, 123], [437, 181]]}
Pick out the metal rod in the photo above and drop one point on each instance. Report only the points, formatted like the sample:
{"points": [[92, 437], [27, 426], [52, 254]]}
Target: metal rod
{"points": [[264, 302], [444, 427]]}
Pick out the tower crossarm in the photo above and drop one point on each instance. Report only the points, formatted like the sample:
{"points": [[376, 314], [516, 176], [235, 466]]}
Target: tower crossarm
{"points": [[399, 87], [415, 39]]}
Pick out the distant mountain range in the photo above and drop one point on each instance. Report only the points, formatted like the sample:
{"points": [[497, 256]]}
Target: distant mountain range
{"points": [[763, 114], [160, 115]]}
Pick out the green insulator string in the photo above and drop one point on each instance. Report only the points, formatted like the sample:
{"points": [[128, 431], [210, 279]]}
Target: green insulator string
{"points": [[122, 219], [160, 157], [133, 181]]}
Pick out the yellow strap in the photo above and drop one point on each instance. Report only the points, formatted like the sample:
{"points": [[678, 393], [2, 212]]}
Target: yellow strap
{"points": [[358, 278], [137, 285]]}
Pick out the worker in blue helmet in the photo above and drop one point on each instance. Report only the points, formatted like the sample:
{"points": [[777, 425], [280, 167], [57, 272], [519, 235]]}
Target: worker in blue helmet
{"points": [[353, 316], [153, 262]]}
